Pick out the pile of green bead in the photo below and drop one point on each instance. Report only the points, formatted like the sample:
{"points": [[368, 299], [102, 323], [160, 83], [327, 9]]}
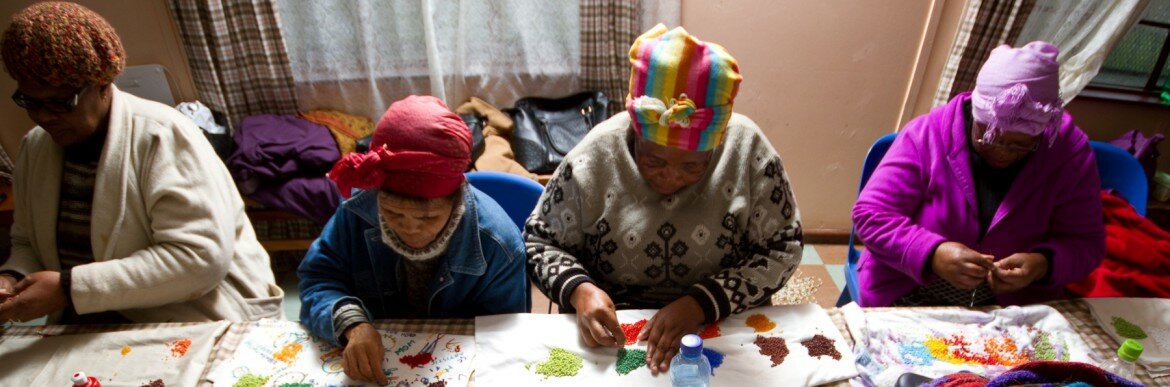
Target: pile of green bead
{"points": [[251, 380], [630, 360], [560, 363], [1127, 329]]}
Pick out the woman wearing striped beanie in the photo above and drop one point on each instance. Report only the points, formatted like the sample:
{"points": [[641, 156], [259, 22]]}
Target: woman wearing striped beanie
{"points": [[677, 203], [124, 213]]}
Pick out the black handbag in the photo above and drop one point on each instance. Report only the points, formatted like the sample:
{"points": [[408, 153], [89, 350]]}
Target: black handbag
{"points": [[475, 124], [547, 129]]}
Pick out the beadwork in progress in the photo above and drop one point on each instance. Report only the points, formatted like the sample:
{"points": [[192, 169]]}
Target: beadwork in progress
{"points": [[168, 354], [282, 353], [787, 345], [934, 343]]}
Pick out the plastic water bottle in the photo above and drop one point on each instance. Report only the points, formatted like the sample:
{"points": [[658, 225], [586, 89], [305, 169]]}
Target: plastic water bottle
{"points": [[1124, 364], [690, 368], [79, 379]]}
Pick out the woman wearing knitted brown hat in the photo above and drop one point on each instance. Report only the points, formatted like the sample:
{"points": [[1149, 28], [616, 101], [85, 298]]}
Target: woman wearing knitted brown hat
{"points": [[123, 211]]}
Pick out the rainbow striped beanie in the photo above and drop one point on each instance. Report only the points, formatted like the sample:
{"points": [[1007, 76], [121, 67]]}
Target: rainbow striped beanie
{"points": [[681, 89]]}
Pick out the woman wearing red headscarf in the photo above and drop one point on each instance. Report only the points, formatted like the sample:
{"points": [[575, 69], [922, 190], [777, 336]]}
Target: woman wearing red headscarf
{"points": [[416, 242]]}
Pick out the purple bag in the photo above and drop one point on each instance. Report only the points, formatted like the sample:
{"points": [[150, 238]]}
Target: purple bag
{"points": [[1144, 149]]}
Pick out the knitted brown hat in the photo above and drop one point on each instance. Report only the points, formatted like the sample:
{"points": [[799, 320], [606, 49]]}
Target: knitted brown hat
{"points": [[62, 44]]}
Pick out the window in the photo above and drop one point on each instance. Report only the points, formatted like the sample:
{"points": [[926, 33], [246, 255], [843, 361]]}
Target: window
{"points": [[1139, 62], [358, 56], [330, 40]]}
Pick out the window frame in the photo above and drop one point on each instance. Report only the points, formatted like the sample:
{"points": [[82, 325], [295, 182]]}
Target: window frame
{"points": [[1150, 93]]}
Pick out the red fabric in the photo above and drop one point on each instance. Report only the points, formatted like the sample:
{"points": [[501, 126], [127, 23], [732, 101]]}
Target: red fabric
{"points": [[960, 380], [1137, 262], [420, 149]]}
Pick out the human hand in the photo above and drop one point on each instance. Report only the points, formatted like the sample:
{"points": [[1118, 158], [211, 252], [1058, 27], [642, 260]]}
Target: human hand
{"points": [[38, 294], [1018, 271], [7, 287], [962, 267], [596, 317], [664, 332], [363, 355]]}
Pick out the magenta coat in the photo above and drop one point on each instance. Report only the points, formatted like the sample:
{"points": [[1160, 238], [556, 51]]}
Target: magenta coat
{"points": [[922, 195]]}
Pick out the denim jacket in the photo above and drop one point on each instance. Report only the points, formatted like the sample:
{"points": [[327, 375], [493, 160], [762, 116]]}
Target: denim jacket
{"points": [[482, 272]]}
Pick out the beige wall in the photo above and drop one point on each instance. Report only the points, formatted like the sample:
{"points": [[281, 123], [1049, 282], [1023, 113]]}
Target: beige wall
{"points": [[824, 79], [1104, 120], [148, 34]]}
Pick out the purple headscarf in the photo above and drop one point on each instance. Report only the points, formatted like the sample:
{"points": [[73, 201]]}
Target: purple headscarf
{"points": [[1018, 90]]}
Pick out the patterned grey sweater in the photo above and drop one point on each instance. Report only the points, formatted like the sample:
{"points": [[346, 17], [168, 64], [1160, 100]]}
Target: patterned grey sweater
{"points": [[731, 240]]}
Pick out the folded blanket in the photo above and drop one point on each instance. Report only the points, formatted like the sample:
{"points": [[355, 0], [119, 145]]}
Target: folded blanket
{"points": [[1136, 252], [345, 128], [281, 161]]}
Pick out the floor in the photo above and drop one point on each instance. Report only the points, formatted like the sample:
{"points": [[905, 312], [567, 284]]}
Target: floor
{"points": [[819, 280]]}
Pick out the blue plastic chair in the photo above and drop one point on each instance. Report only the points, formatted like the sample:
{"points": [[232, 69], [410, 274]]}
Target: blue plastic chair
{"points": [[516, 195], [1121, 172], [1118, 169], [876, 152]]}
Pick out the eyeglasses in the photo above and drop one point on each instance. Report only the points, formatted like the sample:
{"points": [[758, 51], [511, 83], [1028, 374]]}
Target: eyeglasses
{"points": [[65, 105], [1009, 147], [649, 162]]}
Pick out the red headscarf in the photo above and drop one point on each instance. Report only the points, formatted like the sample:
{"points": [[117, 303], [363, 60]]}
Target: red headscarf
{"points": [[420, 149]]}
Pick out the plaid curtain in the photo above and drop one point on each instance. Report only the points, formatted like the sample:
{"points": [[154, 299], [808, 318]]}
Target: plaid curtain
{"points": [[608, 29], [986, 25], [237, 56]]}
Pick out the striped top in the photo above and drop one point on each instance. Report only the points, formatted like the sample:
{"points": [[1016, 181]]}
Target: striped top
{"points": [[75, 205]]}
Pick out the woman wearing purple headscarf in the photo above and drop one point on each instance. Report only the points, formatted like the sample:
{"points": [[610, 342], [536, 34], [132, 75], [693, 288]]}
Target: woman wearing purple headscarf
{"points": [[991, 198]]}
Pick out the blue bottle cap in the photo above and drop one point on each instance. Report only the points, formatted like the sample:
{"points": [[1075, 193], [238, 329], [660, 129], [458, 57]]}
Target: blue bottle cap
{"points": [[692, 346]]}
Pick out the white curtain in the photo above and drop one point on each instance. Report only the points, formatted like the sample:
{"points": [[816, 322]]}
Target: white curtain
{"points": [[1085, 30], [668, 12], [358, 56]]}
